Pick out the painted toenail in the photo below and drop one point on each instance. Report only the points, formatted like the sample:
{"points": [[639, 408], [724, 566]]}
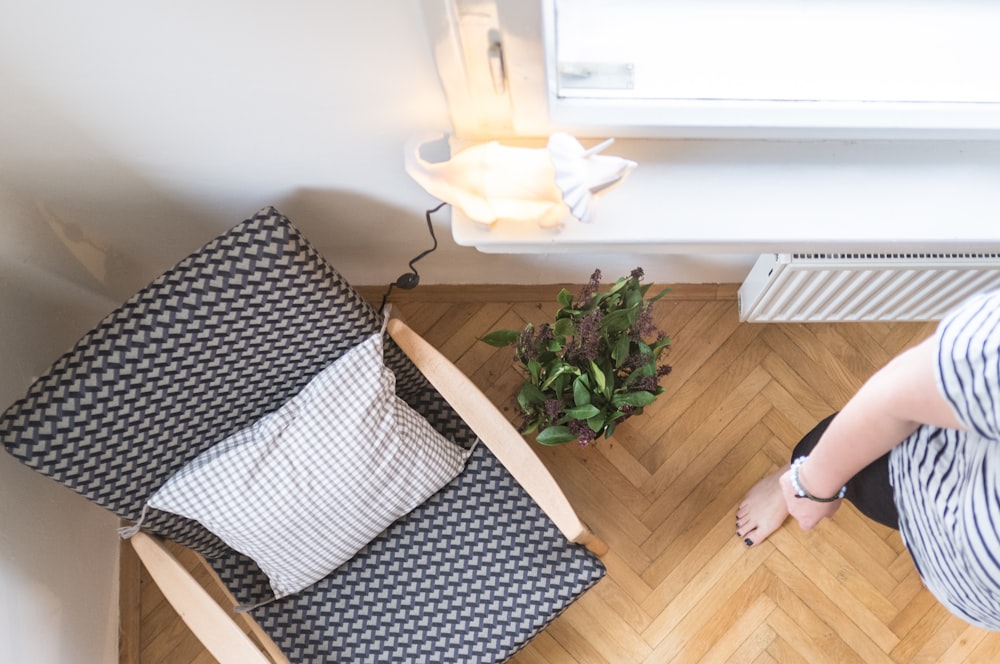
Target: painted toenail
{"points": [[748, 542]]}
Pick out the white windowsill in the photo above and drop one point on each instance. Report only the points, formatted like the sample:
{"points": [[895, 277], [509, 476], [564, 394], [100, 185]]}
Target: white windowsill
{"points": [[779, 196]]}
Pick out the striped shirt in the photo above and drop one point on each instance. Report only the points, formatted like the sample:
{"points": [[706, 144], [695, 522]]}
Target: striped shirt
{"points": [[946, 483]]}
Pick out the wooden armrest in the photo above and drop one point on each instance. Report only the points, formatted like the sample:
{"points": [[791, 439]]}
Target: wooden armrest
{"points": [[509, 447], [211, 624]]}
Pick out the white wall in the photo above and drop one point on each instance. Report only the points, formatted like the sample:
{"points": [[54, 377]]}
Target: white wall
{"points": [[152, 126], [58, 553], [133, 132]]}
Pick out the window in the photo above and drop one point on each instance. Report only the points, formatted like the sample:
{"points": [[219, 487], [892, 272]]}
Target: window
{"points": [[722, 68]]}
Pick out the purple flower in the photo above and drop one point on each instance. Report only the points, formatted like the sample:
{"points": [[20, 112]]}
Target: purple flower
{"points": [[636, 360], [588, 335], [553, 409], [585, 435], [644, 326], [525, 347], [646, 383], [583, 297], [532, 343]]}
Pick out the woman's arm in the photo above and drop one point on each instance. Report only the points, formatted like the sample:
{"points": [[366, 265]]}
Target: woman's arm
{"points": [[888, 408]]}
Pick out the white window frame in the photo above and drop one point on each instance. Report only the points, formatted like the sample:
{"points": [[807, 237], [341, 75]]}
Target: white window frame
{"points": [[491, 58]]}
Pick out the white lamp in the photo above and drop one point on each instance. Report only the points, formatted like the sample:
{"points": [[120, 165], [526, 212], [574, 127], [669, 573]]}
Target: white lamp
{"points": [[491, 181]]}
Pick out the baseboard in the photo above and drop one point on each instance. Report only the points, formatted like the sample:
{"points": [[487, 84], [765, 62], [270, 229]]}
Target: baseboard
{"points": [[527, 293]]}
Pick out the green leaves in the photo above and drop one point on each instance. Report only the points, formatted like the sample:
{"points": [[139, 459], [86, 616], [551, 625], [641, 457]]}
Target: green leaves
{"points": [[617, 322], [636, 399], [563, 328], [623, 348], [529, 396], [556, 435], [558, 369], [581, 391], [600, 379], [594, 366], [582, 412], [501, 338]]}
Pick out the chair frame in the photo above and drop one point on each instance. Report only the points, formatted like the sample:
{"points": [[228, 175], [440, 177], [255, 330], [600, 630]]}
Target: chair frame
{"points": [[228, 642]]}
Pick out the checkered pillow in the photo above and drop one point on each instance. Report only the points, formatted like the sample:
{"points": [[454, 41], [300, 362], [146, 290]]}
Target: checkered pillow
{"points": [[305, 487]]}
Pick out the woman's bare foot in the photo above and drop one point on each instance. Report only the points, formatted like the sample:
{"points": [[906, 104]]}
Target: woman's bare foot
{"points": [[762, 511]]}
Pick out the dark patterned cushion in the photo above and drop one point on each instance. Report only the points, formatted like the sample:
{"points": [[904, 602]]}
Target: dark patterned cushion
{"points": [[225, 336], [470, 576], [228, 335]]}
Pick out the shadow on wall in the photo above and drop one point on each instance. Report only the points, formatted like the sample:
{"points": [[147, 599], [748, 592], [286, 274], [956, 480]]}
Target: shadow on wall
{"points": [[113, 249], [57, 553], [371, 242], [75, 204], [43, 315], [63, 268]]}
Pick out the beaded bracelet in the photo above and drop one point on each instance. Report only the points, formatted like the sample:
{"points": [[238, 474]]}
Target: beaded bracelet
{"points": [[800, 491]]}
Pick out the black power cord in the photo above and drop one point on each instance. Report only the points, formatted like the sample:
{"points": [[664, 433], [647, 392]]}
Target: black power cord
{"points": [[411, 279]]}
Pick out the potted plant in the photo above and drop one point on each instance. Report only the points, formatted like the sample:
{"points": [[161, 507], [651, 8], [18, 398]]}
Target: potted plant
{"points": [[595, 365]]}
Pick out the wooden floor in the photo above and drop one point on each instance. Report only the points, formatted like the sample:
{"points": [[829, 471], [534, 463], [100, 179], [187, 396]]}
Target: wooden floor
{"points": [[681, 587]]}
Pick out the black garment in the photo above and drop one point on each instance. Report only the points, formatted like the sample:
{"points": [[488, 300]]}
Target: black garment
{"points": [[869, 490]]}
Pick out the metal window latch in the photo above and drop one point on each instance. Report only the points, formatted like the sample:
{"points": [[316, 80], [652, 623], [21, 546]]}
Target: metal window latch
{"points": [[497, 70]]}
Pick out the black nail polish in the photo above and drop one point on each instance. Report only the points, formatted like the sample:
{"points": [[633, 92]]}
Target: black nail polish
{"points": [[748, 542]]}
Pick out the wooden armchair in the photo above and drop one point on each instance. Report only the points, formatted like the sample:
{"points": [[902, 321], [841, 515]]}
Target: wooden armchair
{"points": [[230, 334]]}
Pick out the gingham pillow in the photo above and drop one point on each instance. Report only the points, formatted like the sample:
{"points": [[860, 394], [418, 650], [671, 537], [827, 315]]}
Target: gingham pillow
{"points": [[304, 488]]}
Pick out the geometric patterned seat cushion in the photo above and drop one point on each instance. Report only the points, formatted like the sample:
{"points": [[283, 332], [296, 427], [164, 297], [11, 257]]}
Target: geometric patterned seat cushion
{"points": [[227, 335], [470, 576]]}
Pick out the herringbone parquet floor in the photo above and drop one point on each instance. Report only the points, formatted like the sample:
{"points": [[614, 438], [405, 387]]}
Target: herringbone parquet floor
{"points": [[662, 493]]}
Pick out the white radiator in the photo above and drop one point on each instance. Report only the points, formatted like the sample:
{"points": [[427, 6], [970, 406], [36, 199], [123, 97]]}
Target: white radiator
{"points": [[863, 287]]}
